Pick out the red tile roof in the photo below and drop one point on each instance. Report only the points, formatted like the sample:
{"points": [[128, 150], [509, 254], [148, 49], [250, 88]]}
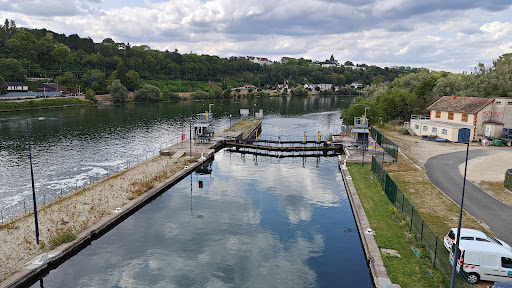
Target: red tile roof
{"points": [[464, 104]]}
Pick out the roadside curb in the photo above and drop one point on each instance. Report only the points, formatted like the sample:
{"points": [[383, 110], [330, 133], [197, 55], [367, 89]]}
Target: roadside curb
{"points": [[371, 250]]}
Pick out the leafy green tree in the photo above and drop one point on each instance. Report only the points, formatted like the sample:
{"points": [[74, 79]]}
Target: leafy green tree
{"points": [[23, 45], [132, 80], [118, 92], [397, 104], [67, 79], [148, 93], [299, 91], [91, 96], [373, 114], [199, 94], [3, 86], [11, 70], [226, 94]]}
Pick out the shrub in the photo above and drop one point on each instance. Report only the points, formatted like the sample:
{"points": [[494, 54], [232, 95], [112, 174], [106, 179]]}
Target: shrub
{"points": [[118, 92], [148, 93]]}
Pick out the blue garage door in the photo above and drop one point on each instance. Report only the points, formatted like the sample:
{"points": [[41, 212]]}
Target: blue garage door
{"points": [[464, 135]]}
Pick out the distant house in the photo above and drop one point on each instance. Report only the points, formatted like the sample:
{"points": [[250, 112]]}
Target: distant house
{"points": [[318, 87], [258, 60], [356, 85], [327, 65], [459, 119], [52, 87], [16, 87]]}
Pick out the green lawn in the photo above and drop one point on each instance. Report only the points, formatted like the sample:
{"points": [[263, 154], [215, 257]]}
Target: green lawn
{"points": [[408, 270]]}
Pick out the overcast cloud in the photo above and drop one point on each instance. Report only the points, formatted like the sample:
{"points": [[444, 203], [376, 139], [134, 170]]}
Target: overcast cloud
{"points": [[445, 35]]}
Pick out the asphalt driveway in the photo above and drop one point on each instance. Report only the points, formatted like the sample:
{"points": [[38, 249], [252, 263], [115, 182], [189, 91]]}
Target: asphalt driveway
{"points": [[444, 173]]}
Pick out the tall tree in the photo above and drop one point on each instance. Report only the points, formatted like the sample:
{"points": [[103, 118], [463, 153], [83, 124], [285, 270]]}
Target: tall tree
{"points": [[118, 92]]}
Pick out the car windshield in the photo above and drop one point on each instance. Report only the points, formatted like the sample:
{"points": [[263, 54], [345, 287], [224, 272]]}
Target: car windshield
{"points": [[495, 241]]}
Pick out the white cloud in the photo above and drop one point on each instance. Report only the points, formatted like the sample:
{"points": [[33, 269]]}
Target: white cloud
{"points": [[448, 35]]}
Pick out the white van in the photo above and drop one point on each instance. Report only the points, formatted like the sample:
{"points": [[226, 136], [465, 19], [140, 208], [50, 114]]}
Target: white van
{"points": [[483, 261], [470, 235]]}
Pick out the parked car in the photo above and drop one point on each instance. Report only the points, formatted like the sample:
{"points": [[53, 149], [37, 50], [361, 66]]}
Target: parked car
{"points": [[467, 234], [501, 285], [483, 261]]}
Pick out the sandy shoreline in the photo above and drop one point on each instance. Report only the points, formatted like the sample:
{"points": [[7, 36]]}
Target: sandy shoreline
{"points": [[75, 212]]}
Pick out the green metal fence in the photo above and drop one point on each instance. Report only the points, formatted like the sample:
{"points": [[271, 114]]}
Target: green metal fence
{"points": [[388, 145], [434, 245]]}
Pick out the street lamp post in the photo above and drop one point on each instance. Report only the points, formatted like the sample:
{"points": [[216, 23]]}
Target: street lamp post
{"points": [[365, 137], [32, 175], [456, 253]]}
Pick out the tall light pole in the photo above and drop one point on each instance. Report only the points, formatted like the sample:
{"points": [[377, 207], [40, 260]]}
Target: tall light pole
{"points": [[365, 137], [456, 253], [32, 174]]}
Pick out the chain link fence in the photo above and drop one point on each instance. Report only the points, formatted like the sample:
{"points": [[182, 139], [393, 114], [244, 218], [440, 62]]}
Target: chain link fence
{"points": [[386, 144], [432, 244]]}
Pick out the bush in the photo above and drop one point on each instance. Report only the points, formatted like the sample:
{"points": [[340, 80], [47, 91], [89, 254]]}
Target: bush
{"points": [[91, 96], [118, 92], [169, 95], [199, 95], [148, 93]]}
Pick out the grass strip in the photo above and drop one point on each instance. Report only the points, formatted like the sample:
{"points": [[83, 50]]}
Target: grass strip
{"points": [[44, 103], [407, 270]]}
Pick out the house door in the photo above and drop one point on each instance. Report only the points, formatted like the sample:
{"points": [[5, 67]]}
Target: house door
{"points": [[488, 130], [464, 135]]}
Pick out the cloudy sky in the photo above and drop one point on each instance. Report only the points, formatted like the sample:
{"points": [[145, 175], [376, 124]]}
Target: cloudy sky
{"points": [[450, 35]]}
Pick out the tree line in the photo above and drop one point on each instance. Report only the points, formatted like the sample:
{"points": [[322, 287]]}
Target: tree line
{"points": [[74, 61], [412, 93]]}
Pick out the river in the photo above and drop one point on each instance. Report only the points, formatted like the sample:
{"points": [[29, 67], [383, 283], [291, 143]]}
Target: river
{"points": [[246, 221]]}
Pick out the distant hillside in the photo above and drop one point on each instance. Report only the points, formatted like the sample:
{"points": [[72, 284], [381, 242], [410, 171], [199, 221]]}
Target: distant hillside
{"points": [[74, 61]]}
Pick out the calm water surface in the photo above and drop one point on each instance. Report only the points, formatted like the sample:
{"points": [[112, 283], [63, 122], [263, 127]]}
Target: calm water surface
{"points": [[87, 143], [252, 222]]}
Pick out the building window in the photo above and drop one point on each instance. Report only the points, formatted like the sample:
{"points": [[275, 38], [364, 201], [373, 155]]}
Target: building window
{"points": [[438, 114], [425, 128], [450, 115], [444, 132], [416, 126], [498, 102], [464, 117], [434, 130], [509, 103]]}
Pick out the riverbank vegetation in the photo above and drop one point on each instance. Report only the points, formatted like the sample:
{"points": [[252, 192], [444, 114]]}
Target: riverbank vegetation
{"points": [[43, 103], [412, 93], [39, 55]]}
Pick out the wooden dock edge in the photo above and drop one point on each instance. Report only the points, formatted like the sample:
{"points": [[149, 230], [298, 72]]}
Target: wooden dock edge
{"points": [[371, 250], [43, 263]]}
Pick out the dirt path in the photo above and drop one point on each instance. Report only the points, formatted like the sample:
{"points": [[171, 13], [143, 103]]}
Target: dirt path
{"points": [[67, 216]]}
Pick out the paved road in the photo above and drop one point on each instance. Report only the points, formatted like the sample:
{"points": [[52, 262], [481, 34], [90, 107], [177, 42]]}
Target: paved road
{"points": [[444, 173]]}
